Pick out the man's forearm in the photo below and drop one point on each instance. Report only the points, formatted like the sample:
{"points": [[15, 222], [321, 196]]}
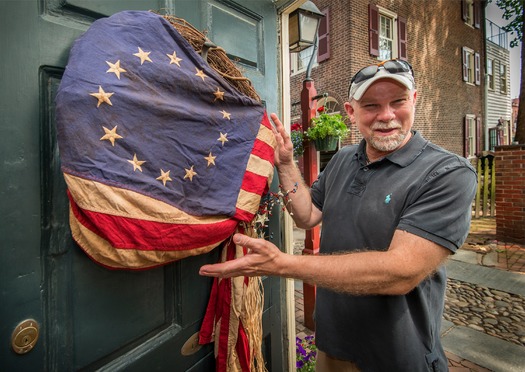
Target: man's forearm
{"points": [[299, 201]]}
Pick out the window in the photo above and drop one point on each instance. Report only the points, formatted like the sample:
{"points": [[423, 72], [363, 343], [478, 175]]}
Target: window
{"points": [[471, 12], [502, 78], [330, 105], [386, 37], [472, 134], [471, 66], [500, 134], [490, 74], [299, 61], [468, 64], [387, 34]]}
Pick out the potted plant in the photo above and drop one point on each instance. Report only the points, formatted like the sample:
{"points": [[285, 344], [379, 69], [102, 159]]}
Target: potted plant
{"points": [[326, 130]]}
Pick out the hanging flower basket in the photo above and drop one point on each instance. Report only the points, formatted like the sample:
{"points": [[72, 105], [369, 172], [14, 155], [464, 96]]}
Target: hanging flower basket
{"points": [[326, 144], [326, 130]]}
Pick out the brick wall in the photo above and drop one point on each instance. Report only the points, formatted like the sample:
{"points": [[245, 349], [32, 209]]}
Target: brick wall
{"points": [[510, 193], [436, 35]]}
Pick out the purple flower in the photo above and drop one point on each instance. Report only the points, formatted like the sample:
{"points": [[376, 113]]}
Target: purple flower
{"points": [[301, 350]]}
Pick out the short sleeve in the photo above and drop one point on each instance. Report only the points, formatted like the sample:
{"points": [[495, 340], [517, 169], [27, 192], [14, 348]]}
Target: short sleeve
{"points": [[441, 209], [317, 191]]}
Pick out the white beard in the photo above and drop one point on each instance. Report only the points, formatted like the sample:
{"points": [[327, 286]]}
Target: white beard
{"points": [[387, 143]]}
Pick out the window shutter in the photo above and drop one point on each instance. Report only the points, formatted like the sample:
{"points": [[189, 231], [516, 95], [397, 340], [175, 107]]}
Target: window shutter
{"points": [[466, 149], [465, 66], [324, 37], [402, 37], [373, 29], [478, 136], [477, 13], [477, 68], [464, 10]]}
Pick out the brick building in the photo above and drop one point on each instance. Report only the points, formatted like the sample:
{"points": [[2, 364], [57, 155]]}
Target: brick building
{"points": [[442, 39]]}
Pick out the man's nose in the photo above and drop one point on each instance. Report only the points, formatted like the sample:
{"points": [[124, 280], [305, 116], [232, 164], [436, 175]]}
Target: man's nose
{"points": [[386, 114]]}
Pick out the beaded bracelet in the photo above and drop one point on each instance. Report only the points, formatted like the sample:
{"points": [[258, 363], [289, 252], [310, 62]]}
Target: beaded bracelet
{"points": [[269, 201]]}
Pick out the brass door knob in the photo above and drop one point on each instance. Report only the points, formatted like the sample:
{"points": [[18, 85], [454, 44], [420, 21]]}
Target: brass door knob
{"points": [[25, 336]]}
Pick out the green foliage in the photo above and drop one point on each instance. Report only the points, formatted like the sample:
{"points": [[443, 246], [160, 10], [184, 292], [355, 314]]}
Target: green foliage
{"points": [[327, 125], [297, 141], [513, 11]]}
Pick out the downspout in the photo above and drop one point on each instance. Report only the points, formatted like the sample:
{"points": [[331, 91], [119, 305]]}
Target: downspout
{"points": [[485, 85]]}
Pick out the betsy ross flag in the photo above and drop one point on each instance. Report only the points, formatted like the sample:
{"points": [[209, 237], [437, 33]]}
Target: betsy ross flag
{"points": [[161, 156]]}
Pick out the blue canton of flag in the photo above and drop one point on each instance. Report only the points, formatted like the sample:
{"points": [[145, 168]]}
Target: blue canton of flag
{"points": [[170, 126]]}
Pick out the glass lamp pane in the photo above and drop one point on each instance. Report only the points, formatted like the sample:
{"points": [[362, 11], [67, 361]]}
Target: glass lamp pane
{"points": [[308, 27], [293, 29]]}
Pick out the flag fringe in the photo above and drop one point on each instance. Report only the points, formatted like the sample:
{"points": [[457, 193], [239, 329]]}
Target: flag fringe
{"points": [[251, 317]]}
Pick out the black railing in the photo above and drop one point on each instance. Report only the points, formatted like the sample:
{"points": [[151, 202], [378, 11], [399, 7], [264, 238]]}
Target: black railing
{"points": [[497, 35]]}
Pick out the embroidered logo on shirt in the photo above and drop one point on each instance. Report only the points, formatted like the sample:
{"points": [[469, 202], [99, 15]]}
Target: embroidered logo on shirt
{"points": [[388, 198]]}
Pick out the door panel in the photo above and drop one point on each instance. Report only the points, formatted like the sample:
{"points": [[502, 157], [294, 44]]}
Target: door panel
{"points": [[91, 317]]}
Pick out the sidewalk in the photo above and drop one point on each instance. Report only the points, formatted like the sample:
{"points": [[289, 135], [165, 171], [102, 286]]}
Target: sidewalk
{"points": [[484, 325]]}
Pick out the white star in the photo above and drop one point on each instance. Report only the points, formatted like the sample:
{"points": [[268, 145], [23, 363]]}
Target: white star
{"points": [[102, 96], [200, 74], [174, 59], [136, 163], [144, 56], [218, 95], [115, 67], [111, 135], [190, 173], [225, 115], [210, 158], [164, 177], [223, 138]]}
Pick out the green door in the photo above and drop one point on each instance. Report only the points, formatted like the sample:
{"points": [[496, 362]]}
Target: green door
{"points": [[85, 316]]}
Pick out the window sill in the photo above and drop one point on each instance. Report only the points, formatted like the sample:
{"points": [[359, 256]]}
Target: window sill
{"points": [[303, 71]]}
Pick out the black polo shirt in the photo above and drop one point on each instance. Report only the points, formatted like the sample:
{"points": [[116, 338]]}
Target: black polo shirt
{"points": [[420, 188]]}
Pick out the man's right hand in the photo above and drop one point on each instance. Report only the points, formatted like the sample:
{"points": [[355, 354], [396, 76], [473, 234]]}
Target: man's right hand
{"points": [[284, 150]]}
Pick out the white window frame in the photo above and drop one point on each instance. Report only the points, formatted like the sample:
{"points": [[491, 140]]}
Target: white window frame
{"points": [[299, 61], [503, 78], [470, 16], [385, 13], [471, 120], [490, 74], [471, 68]]}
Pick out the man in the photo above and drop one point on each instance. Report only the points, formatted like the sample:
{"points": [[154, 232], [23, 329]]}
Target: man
{"points": [[393, 209]]}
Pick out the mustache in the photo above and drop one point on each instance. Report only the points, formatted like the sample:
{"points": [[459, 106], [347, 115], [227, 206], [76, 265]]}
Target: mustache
{"points": [[378, 125]]}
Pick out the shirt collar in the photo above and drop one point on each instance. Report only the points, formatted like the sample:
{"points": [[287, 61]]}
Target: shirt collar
{"points": [[403, 156]]}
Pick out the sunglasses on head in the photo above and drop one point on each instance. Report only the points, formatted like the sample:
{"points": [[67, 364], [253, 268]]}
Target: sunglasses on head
{"points": [[394, 66]]}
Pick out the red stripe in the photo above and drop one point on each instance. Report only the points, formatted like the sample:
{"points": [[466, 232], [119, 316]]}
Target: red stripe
{"points": [[129, 233], [223, 313], [243, 215], [243, 349], [265, 121], [263, 150], [254, 183], [208, 322]]}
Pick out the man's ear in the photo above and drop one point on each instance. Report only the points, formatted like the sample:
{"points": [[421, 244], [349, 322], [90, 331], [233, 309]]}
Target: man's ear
{"points": [[349, 111]]}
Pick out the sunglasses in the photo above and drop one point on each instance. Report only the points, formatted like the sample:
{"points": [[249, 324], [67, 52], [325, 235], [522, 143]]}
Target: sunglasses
{"points": [[394, 66]]}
